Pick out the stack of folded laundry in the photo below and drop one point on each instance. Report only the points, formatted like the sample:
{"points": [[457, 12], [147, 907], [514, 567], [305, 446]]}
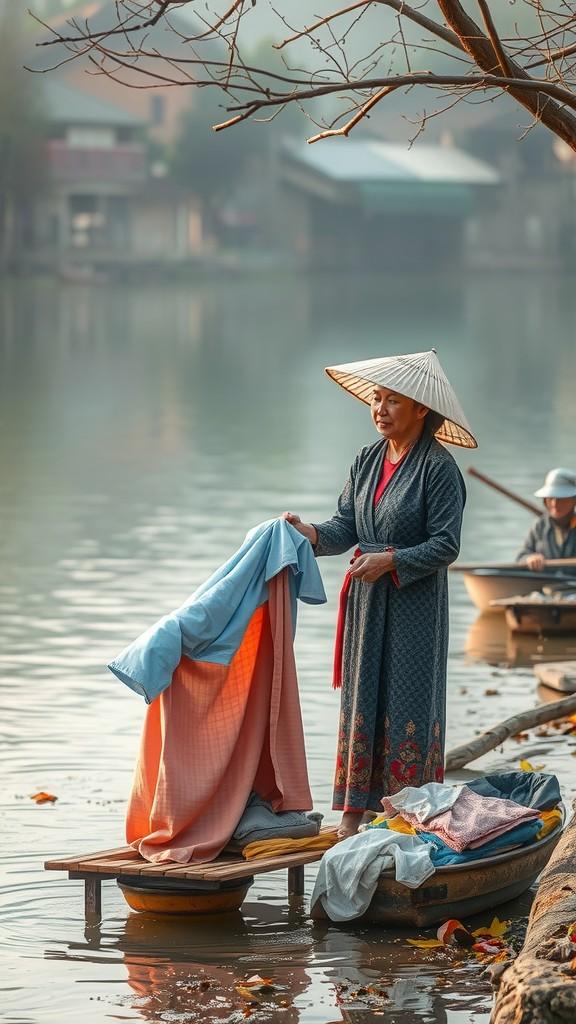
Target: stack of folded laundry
{"points": [[263, 832], [481, 818], [433, 826]]}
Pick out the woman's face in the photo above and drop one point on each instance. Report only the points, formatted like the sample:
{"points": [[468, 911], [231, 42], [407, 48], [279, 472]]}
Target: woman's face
{"points": [[560, 508], [394, 415]]}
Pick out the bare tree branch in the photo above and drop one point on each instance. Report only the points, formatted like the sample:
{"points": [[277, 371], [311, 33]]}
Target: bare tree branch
{"points": [[405, 48]]}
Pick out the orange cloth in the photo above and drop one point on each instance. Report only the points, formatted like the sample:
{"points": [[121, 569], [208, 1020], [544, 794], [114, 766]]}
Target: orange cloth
{"points": [[214, 735], [550, 821], [396, 824], [264, 848]]}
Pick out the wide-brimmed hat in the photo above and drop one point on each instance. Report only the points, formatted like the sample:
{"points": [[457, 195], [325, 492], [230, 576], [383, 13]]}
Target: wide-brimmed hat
{"points": [[559, 483], [417, 375]]}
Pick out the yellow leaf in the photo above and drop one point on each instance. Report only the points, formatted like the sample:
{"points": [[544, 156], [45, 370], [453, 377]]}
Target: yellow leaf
{"points": [[527, 766], [246, 993], [425, 943], [497, 930]]}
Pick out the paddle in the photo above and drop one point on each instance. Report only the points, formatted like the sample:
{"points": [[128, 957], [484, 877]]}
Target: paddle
{"points": [[504, 490], [550, 563]]}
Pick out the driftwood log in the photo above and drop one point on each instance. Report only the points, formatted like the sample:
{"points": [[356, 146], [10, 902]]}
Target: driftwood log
{"points": [[539, 987], [460, 756]]}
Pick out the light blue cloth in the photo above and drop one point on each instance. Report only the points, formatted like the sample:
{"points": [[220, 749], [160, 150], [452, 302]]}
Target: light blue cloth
{"points": [[209, 626], [443, 854]]}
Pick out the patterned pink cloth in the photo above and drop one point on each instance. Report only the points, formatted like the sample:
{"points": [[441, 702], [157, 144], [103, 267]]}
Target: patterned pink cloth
{"points": [[216, 733], [474, 820]]}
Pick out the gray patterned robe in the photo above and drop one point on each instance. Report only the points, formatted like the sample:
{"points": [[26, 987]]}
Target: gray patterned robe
{"points": [[396, 636]]}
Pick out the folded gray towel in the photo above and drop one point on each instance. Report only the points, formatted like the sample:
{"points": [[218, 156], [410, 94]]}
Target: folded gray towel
{"points": [[260, 821]]}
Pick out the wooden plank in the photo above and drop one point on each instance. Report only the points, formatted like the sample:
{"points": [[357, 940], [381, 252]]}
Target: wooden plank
{"points": [[257, 867], [70, 863], [110, 867], [559, 675], [296, 881], [92, 898], [169, 870], [123, 860]]}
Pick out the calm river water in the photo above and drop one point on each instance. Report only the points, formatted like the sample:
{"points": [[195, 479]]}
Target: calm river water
{"points": [[143, 431]]}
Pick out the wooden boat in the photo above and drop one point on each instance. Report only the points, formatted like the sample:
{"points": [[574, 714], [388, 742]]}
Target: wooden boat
{"points": [[458, 890], [485, 586], [536, 614]]}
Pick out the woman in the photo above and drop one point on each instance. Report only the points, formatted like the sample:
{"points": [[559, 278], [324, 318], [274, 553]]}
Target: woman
{"points": [[554, 534], [402, 505]]}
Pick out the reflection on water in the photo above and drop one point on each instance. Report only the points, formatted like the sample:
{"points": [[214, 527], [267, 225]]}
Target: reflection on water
{"points": [[143, 431], [489, 640]]}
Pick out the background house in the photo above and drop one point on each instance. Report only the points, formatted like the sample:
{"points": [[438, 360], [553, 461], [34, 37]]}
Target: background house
{"points": [[106, 199], [364, 203]]}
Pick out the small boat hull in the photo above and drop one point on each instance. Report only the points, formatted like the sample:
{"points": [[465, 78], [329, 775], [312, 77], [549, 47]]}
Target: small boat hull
{"points": [[163, 896], [456, 891], [487, 585]]}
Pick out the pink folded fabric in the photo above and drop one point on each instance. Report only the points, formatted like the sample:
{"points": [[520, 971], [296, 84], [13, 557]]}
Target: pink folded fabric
{"points": [[474, 820]]}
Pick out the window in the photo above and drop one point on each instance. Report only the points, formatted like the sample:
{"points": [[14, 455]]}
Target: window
{"points": [[158, 108], [90, 138]]}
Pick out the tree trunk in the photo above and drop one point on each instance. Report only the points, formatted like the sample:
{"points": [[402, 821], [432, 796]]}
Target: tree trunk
{"points": [[539, 987], [480, 48], [460, 756]]}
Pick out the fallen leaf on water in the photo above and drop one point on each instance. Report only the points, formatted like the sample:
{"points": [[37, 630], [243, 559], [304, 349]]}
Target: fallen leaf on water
{"points": [[497, 930], [488, 945], [453, 933], [502, 956], [425, 943], [43, 798], [491, 693], [246, 993], [527, 766]]}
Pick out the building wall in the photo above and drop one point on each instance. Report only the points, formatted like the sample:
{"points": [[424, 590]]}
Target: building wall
{"points": [[160, 109], [533, 224], [332, 235]]}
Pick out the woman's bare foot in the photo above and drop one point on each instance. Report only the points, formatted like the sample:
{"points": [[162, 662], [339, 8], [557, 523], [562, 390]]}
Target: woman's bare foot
{"points": [[369, 816], [349, 824]]}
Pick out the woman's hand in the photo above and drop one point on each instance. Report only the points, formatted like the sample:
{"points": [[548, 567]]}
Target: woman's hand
{"points": [[369, 568], [536, 562], [306, 529]]}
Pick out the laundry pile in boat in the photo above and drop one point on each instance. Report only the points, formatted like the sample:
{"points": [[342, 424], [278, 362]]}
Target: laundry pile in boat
{"points": [[433, 826]]}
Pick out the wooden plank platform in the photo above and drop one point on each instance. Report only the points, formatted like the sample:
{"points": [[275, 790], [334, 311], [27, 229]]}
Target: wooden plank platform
{"points": [[93, 868], [558, 675]]}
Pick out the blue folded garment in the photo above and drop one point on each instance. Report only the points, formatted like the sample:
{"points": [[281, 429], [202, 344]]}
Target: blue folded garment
{"points": [[531, 789], [442, 854], [209, 626]]}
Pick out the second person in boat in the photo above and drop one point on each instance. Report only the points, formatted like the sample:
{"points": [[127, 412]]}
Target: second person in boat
{"points": [[553, 536]]}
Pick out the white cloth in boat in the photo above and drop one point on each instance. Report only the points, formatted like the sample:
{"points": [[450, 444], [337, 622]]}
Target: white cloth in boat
{"points": [[349, 872], [422, 802]]}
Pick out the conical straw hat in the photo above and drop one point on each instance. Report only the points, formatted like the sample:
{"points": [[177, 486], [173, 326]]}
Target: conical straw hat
{"points": [[418, 375]]}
